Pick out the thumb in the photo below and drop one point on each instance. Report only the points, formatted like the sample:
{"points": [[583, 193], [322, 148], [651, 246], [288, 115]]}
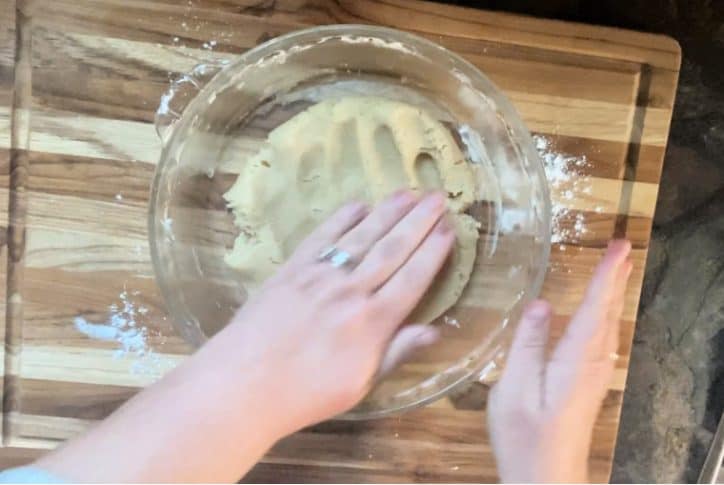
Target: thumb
{"points": [[527, 356], [405, 342]]}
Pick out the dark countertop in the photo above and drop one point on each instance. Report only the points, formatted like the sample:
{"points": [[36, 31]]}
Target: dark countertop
{"points": [[675, 389]]}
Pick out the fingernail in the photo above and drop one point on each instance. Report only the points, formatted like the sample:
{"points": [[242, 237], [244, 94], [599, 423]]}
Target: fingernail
{"points": [[403, 196], [627, 246], [358, 209], [434, 201], [538, 311], [624, 243], [427, 336], [443, 225], [357, 206]]}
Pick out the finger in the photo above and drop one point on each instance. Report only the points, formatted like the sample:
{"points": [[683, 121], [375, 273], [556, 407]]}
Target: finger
{"points": [[605, 275], [624, 273], [601, 290], [327, 233], [589, 323], [616, 311], [360, 239], [393, 249], [399, 295], [527, 357], [405, 342]]}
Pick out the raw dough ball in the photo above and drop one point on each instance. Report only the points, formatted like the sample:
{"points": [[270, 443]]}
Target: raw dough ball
{"points": [[353, 148]]}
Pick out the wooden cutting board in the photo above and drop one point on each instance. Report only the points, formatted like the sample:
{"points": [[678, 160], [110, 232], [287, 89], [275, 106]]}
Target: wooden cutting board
{"points": [[79, 84]]}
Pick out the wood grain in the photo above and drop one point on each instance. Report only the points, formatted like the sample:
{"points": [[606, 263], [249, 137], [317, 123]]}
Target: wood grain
{"points": [[79, 84], [7, 80]]}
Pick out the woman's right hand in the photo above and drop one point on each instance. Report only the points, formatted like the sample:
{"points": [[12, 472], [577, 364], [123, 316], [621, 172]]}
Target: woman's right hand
{"points": [[542, 411]]}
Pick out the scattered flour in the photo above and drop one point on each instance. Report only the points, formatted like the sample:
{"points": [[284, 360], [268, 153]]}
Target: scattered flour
{"points": [[191, 24], [567, 181], [125, 326], [451, 321]]}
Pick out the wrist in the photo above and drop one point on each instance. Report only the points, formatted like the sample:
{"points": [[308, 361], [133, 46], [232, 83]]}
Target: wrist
{"points": [[248, 379], [544, 469], [530, 456], [567, 461]]}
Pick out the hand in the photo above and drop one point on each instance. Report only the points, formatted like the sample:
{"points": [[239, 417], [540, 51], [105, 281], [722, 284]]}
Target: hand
{"points": [[321, 332], [306, 348], [542, 412]]}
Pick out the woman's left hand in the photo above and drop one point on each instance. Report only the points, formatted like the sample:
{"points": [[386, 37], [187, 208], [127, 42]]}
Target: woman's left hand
{"points": [[325, 331], [306, 348]]}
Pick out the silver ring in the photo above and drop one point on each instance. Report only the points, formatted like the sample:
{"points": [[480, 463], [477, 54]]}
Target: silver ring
{"points": [[336, 257], [327, 253]]}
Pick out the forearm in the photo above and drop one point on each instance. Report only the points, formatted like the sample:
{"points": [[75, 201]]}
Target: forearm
{"points": [[209, 420]]}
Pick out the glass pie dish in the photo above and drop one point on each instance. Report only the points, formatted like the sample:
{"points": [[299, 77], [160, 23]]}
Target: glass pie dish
{"points": [[216, 117]]}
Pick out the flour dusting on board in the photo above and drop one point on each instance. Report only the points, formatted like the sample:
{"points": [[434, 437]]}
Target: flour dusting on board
{"points": [[567, 180], [191, 24], [125, 327], [453, 322]]}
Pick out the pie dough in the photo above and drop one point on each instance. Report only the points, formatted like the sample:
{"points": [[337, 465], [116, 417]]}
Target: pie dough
{"points": [[350, 148]]}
